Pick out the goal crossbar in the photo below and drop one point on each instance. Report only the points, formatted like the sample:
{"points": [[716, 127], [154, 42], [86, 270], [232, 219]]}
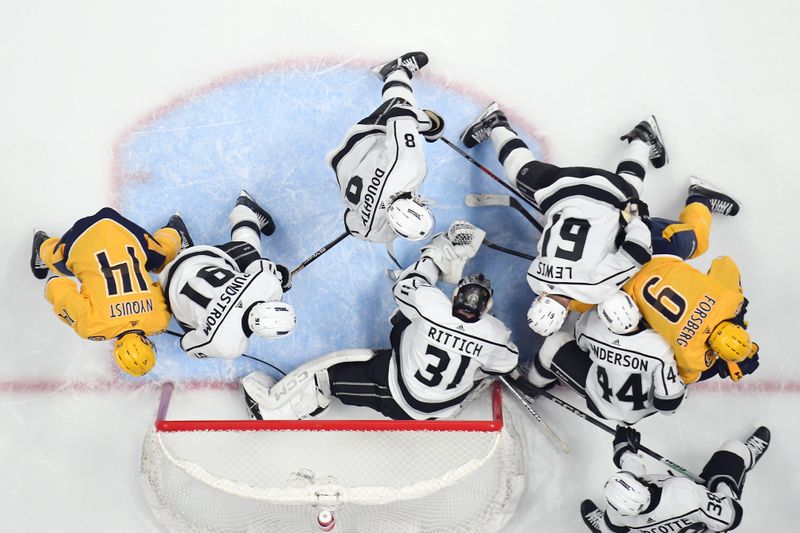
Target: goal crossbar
{"points": [[162, 424]]}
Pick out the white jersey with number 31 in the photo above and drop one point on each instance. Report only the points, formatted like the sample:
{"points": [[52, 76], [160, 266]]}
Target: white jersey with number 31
{"points": [[441, 358]]}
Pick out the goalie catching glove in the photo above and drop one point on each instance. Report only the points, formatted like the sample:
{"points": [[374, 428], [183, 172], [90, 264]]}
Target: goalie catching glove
{"points": [[451, 250]]}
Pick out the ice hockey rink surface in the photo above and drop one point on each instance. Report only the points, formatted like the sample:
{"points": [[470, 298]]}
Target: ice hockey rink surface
{"points": [[156, 106]]}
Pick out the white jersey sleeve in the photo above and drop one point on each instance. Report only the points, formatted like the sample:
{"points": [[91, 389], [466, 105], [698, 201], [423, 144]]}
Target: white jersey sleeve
{"points": [[631, 376], [210, 298], [374, 164], [584, 252], [439, 359], [683, 506]]}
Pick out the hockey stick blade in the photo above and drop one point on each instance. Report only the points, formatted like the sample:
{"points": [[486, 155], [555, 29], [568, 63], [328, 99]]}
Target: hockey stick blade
{"points": [[479, 200]]}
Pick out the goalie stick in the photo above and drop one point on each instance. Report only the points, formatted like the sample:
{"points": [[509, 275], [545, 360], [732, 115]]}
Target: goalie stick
{"points": [[482, 200], [530, 390], [509, 251], [547, 429], [489, 173]]}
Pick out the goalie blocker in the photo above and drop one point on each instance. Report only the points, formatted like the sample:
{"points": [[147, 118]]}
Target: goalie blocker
{"points": [[442, 349]]}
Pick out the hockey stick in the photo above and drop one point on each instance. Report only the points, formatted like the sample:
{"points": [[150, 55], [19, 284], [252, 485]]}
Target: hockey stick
{"points": [[489, 173], [481, 200], [533, 391], [319, 252], [176, 334], [547, 429], [509, 251]]}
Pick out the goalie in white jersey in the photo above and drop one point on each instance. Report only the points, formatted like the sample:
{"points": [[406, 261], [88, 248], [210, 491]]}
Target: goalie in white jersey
{"points": [[221, 295], [653, 503], [443, 349], [593, 239], [625, 370], [380, 164]]}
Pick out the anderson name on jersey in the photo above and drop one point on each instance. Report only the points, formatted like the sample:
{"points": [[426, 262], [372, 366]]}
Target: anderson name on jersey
{"points": [[632, 375], [210, 298], [438, 358], [580, 253]]}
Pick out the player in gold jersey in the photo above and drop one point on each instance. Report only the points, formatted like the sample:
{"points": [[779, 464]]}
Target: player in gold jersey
{"points": [[700, 314], [117, 299]]}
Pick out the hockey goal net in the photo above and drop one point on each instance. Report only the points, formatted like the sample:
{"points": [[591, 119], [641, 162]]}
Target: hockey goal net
{"points": [[371, 476]]}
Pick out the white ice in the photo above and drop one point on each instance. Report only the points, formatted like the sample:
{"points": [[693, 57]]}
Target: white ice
{"points": [[722, 77]]}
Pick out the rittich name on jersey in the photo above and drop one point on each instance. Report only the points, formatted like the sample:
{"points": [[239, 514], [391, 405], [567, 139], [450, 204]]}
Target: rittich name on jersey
{"points": [[451, 340], [225, 298], [695, 321], [130, 308]]}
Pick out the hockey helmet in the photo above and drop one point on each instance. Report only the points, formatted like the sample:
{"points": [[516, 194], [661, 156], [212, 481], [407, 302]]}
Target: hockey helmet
{"points": [[472, 297], [619, 313], [627, 494], [546, 315], [135, 353], [730, 341], [410, 219], [271, 319]]}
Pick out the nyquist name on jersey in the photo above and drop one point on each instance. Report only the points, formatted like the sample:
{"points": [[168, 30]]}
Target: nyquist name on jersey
{"points": [[468, 347], [621, 359], [130, 308], [373, 188], [696, 320], [225, 298]]}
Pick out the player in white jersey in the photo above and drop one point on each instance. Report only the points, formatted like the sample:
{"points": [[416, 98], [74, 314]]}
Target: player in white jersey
{"points": [[625, 370], [380, 164], [221, 295], [653, 503], [593, 239], [443, 349]]}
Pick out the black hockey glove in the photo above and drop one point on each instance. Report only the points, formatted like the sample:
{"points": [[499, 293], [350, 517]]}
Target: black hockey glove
{"points": [[286, 277], [626, 439]]}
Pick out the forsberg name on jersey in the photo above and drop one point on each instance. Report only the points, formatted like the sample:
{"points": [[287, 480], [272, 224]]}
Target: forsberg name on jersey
{"points": [[373, 188], [224, 299], [449, 339], [624, 360], [130, 308], [695, 321]]}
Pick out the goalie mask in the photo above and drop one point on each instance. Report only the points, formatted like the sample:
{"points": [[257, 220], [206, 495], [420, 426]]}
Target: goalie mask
{"points": [[472, 298]]}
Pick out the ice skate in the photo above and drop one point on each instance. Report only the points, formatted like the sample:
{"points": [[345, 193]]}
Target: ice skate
{"points": [[648, 131], [265, 221], [411, 62], [176, 222], [479, 129], [38, 267], [721, 203]]}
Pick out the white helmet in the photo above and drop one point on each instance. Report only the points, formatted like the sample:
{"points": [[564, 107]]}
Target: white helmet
{"points": [[626, 494], [410, 219], [619, 313], [272, 319], [546, 315]]}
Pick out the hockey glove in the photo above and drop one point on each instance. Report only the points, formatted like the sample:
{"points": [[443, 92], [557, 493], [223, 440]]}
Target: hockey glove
{"points": [[286, 277], [626, 439]]}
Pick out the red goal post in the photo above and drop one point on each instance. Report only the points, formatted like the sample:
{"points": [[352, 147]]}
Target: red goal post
{"points": [[372, 475]]}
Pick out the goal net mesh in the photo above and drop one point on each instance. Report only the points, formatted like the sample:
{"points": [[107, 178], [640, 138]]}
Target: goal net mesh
{"points": [[372, 481]]}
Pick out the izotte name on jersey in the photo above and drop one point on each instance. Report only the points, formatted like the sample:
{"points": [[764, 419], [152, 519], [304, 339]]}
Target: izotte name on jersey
{"points": [[466, 346], [225, 298], [673, 526], [696, 320], [625, 360], [373, 189], [130, 308]]}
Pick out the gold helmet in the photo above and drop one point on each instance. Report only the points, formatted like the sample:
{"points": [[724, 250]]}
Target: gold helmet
{"points": [[135, 353], [730, 342]]}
